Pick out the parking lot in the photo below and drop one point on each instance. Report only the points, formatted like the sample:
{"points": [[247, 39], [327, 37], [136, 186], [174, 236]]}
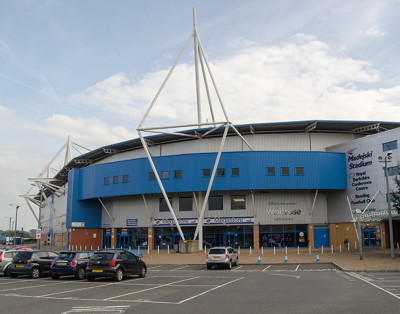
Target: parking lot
{"points": [[283, 288]]}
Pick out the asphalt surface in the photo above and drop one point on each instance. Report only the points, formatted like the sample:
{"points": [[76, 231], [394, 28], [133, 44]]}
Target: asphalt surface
{"points": [[256, 288]]}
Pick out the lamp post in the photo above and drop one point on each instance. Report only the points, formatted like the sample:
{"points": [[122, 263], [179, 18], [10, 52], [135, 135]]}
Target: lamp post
{"points": [[387, 159], [16, 219]]}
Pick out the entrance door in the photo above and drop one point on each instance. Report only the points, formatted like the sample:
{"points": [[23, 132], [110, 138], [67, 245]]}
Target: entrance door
{"points": [[321, 236], [369, 237], [176, 237], [229, 239], [123, 241]]}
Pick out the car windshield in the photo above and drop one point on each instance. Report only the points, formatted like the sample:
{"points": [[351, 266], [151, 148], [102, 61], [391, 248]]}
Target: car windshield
{"points": [[103, 256], [23, 255], [66, 255], [217, 251]]}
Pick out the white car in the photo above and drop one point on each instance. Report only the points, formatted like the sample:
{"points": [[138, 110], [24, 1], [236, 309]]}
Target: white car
{"points": [[222, 256]]}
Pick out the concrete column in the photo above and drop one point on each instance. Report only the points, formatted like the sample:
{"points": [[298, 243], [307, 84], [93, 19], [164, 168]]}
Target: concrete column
{"points": [[311, 236], [113, 237], [256, 237], [150, 238]]}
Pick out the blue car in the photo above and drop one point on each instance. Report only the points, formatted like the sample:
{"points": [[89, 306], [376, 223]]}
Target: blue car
{"points": [[70, 263]]}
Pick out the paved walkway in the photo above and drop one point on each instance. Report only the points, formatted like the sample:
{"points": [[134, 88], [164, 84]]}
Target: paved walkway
{"points": [[373, 259]]}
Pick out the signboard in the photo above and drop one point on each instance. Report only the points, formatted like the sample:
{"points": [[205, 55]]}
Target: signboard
{"points": [[132, 222], [77, 224], [38, 234], [206, 221]]}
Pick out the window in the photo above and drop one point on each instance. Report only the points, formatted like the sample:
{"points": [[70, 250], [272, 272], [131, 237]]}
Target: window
{"points": [[235, 171], [178, 174], [215, 202], [185, 204], [163, 204], [238, 202], [165, 175], [389, 146], [125, 178], [220, 172], [106, 180], [152, 176], [206, 172], [115, 179], [285, 171], [270, 171], [299, 171], [393, 171]]}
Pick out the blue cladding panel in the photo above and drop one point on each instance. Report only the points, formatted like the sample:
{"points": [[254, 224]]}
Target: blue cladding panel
{"points": [[322, 170], [88, 211]]}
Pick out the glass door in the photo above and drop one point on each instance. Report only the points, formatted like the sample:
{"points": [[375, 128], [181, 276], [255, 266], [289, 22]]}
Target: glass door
{"points": [[229, 239], [369, 237]]}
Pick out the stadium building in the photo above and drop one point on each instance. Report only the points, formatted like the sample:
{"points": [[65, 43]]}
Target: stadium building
{"points": [[294, 188]]}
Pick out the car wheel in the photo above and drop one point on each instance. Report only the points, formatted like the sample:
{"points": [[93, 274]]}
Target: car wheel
{"points": [[80, 274], [142, 272], [35, 273], [230, 265], [13, 275], [119, 274], [209, 266], [6, 272], [54, 276], [90, 278]]}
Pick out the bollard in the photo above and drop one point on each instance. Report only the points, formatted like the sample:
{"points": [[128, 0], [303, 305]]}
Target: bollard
{"points": [[168, 249], [259, 259], [340, 248], [205, 250], [318, 260], [355, 245], [158, 249], [250, 250], [286, 259], [298, 250], [286, 250], [274, 250], [322, 248], [309, 249], [332, 248], [262, 250], [348, 247], [239, 251], [148, 250]]}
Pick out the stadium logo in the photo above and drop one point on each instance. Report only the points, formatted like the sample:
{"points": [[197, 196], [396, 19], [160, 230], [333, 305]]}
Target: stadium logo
{"points": [[350, 151]]}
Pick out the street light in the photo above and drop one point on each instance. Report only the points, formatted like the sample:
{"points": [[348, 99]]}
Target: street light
{"points": [[16, 218], [387, 159]]}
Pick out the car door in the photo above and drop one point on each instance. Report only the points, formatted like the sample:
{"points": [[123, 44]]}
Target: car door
{"points": [[126, 262], [135, 263], [43, 261]]}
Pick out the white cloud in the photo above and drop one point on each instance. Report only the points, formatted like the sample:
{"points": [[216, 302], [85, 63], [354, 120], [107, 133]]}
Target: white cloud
{"points": [[298, 80], [374, 31]]}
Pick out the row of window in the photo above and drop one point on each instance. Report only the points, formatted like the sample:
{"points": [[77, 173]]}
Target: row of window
{"points": [[116, 179], [270, 171], [215, 202], [389, 146]]}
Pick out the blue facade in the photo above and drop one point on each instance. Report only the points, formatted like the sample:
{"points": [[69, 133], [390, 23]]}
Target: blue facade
{"points": [[322, 170]]}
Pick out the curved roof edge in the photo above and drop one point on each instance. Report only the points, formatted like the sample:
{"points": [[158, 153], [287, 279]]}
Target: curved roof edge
{"points": [[307, 126]]}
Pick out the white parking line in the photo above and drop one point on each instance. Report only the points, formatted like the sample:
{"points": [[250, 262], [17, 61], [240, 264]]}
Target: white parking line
{"points": [[179, 268], [217, 287], [152, 267], [297, 267], [237, 268], [86, 288], [30, 287], [266, 268], [368, 280], [160, 286]]}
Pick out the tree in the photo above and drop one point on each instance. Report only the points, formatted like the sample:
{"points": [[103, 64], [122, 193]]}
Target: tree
{"points": [[395, 195]]}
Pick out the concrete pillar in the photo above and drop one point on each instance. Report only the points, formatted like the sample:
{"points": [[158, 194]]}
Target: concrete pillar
{"points": [[113, 237], [311, 236], [256, 236], [150, 238]]}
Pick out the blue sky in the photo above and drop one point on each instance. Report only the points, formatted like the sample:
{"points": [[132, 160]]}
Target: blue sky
{"points": [[89, 69]]}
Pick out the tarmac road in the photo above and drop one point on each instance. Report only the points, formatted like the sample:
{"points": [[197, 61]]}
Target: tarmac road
{"points": [[193, 289]]}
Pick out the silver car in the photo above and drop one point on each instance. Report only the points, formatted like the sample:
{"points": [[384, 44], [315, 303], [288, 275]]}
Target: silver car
{"points": [[5, 260], [225, 256]]}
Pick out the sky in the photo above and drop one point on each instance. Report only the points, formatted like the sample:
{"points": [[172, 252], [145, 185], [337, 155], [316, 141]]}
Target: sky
{"points": [[89, 70]]}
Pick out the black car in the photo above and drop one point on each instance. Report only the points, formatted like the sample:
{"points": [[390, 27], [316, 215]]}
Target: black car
{"points": [[115, 264], [70, 263], [31, 263]]}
